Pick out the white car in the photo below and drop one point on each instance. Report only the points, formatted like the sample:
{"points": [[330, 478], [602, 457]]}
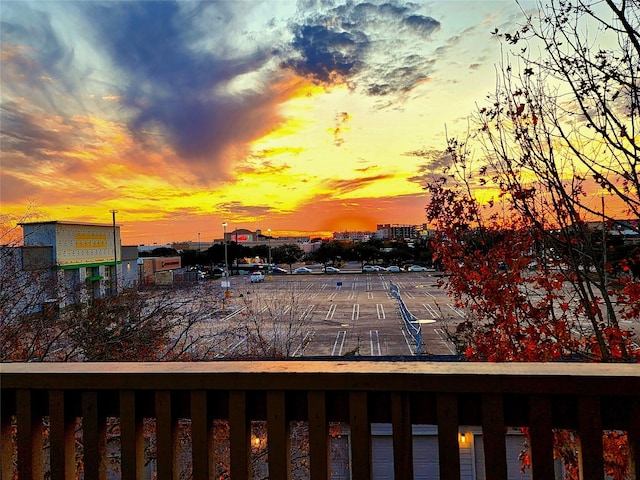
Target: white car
{"points": [[302, 270], [394, 269], [417, 268], [369, 268], [331, 270], [257, 277]]}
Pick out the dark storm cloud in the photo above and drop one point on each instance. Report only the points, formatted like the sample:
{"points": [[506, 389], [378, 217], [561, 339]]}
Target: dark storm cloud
{"points": [[436, 162], [357, 44], [177, 88], [24, 133], [231, 210], [339, 187], [326, 55]]}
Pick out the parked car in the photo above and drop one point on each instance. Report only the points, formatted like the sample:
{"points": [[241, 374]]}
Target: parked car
{"points": [[257, 277], [369, 268], [393, 269], [331, 270], [278, 271], [417, 268], [302, 270]]}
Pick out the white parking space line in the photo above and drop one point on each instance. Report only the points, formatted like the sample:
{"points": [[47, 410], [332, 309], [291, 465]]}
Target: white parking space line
{"points": [[305, 341], [429, 294], [355, 312], [380, 311], [237, 312], [431, 310], [332, 296], [408, 341], [374, 341], [331, 312], [443, 339], [339, 343], [369, 295], [232, 347], [307, 311], [409, 295], [455, 310], [352, 296]]}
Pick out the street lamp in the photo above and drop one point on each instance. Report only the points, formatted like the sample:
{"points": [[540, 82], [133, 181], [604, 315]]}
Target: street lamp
{"points": [[226, 261], [269, 241]]}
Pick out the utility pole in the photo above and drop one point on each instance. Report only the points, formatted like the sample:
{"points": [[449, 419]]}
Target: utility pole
{"points": [[269, 241], [115, 254]]}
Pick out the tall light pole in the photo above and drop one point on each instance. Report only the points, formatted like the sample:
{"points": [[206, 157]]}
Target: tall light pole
{"points": [[269, 240], [226, 261], [115, 254]]}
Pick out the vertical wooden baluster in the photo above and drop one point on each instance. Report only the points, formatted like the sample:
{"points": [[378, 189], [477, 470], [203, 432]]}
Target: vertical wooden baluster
{"points": [[30, 441], [6, 435], [278, 436], [360, 436], [633, 433], [448, 451], [541, 437], [93, 438], [200, 435], [166, 430], [590, 454], [131, 437], [318, 436], [402, 436], [62, 445], [239, 436], [495, 451]]}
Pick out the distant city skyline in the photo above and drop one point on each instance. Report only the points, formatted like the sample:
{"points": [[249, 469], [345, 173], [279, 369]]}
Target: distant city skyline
{"points": [[300, 117]]}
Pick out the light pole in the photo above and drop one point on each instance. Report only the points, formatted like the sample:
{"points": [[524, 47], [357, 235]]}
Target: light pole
{"points": [[115, 254], [269, 241], [226, 261]]}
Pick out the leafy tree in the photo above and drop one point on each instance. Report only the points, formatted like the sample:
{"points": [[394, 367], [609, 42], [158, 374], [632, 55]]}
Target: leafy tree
{"points": [[365, 252], [557, 126], [288, 254], [329, 252]]}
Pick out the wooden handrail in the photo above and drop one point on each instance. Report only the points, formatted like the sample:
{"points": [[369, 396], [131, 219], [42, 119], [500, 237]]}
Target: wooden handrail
{"points": [[587, 398]]}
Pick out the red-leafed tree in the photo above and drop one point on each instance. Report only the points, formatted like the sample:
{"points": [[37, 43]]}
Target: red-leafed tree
{"points": [[524, 227]]}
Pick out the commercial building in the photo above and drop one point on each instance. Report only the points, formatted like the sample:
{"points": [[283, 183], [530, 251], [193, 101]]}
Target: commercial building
{"points": [[86, 258], [390, 231]]}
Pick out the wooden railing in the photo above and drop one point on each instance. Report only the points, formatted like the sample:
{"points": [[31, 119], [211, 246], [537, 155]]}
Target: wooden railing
{"points": [[42, 402]]}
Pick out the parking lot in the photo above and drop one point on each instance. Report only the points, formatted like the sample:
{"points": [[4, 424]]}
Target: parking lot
{"points": [[352, 313]]}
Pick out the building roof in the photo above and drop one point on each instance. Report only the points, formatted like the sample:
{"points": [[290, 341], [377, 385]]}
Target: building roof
{"points": [[62, 222]]}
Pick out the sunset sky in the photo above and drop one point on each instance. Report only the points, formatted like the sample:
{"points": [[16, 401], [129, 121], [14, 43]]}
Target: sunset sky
{"points": [[301, 117]]}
